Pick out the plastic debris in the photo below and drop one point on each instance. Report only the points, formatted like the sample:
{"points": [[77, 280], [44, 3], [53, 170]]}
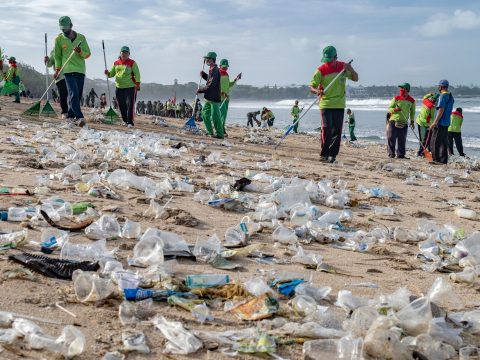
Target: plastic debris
{"points": [[180, 340]]}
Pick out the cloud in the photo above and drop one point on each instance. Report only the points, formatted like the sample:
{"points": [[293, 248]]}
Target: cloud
{"points": [[443, 24]]}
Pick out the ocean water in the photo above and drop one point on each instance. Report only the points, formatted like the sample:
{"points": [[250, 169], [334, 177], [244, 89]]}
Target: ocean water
{"points": [[369, 116]]}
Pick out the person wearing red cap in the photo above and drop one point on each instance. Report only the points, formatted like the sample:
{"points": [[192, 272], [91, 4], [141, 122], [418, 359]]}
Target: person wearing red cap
{"points": [[12, 80], [401, 110]]}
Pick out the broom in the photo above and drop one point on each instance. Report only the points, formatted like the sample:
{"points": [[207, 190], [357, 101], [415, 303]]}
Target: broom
{"points": [[47, 109], [35, 108], [110, 114]]}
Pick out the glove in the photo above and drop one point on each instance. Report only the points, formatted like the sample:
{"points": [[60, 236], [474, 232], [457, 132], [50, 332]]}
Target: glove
{"points": [[106, 72], [46, 59]]}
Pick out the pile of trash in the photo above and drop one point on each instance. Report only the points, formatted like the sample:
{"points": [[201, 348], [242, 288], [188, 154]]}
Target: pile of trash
{"points": [[276, 310]]}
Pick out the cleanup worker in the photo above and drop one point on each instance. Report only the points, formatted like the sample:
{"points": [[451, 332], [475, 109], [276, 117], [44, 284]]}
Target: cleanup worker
{"points": [[66, 42], [225, 86], [295, 112], [332, 103], [251, 116], [91, 98], [127, 83], [455, 132], [439, 137], [402, 108], [12, 80], [425, 119], [268, 116], [351, 124], [61, 85], [212, 94], [103, 101]]}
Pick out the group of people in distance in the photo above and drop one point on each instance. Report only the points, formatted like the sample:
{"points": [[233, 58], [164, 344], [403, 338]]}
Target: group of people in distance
{"points": [[439, 126]]}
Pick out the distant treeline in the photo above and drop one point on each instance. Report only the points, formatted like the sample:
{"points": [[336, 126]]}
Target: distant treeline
{"points": [[35, 82]]}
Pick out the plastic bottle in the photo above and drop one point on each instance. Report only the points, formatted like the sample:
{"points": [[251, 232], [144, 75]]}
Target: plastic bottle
{"points": [[466, 214], [17, 214], [384, 211], [206, 280]]}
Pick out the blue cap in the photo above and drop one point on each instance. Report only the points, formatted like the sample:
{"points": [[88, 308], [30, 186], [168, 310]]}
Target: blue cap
{"points": [[443, 83]]}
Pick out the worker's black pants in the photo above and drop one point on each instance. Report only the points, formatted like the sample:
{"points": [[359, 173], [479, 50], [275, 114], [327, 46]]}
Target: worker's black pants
{"points": [[396, 138], [126, 103], [250, 121], [63, 93], [457, 137], [439, 143], [331, 135]]}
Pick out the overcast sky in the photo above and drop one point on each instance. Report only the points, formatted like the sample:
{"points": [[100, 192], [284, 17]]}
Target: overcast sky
{"points": [[271, 42]]}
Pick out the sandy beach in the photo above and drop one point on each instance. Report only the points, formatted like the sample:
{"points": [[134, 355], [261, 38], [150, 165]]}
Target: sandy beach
{"points": [[390, 265]]}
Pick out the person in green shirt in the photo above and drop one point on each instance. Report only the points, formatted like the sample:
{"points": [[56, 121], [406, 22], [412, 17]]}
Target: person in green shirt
{"points": [[61, 85], [127, 83], [425, 119], [351, 124], [333, 102], [225, 86], [212, 94], [455, 132], [295, 112], [268, 116], [74, 71], [402, 108], [12, 80]]}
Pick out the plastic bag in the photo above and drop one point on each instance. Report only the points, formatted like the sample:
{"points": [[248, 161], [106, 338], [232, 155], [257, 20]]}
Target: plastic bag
{"points": [[309, 259], [347, 301], [180, 340], [85, 252], [257, 287], [317, 294]]}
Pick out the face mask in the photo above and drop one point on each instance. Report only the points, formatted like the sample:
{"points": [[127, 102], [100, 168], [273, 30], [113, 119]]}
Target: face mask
{"points": [[67, 32], [403, 92]]}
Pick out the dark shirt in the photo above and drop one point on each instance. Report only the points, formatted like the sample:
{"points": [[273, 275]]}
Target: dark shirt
{"points": [[211, 90]]}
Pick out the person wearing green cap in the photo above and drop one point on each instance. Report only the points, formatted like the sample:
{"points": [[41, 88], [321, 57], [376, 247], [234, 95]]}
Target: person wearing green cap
{"points": [[65, 43], [212, 94], [295, 113], [61, 85], [402, 108], [12, 80], [225, 86], [333, 102], [425, 119], [127, 83]]}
